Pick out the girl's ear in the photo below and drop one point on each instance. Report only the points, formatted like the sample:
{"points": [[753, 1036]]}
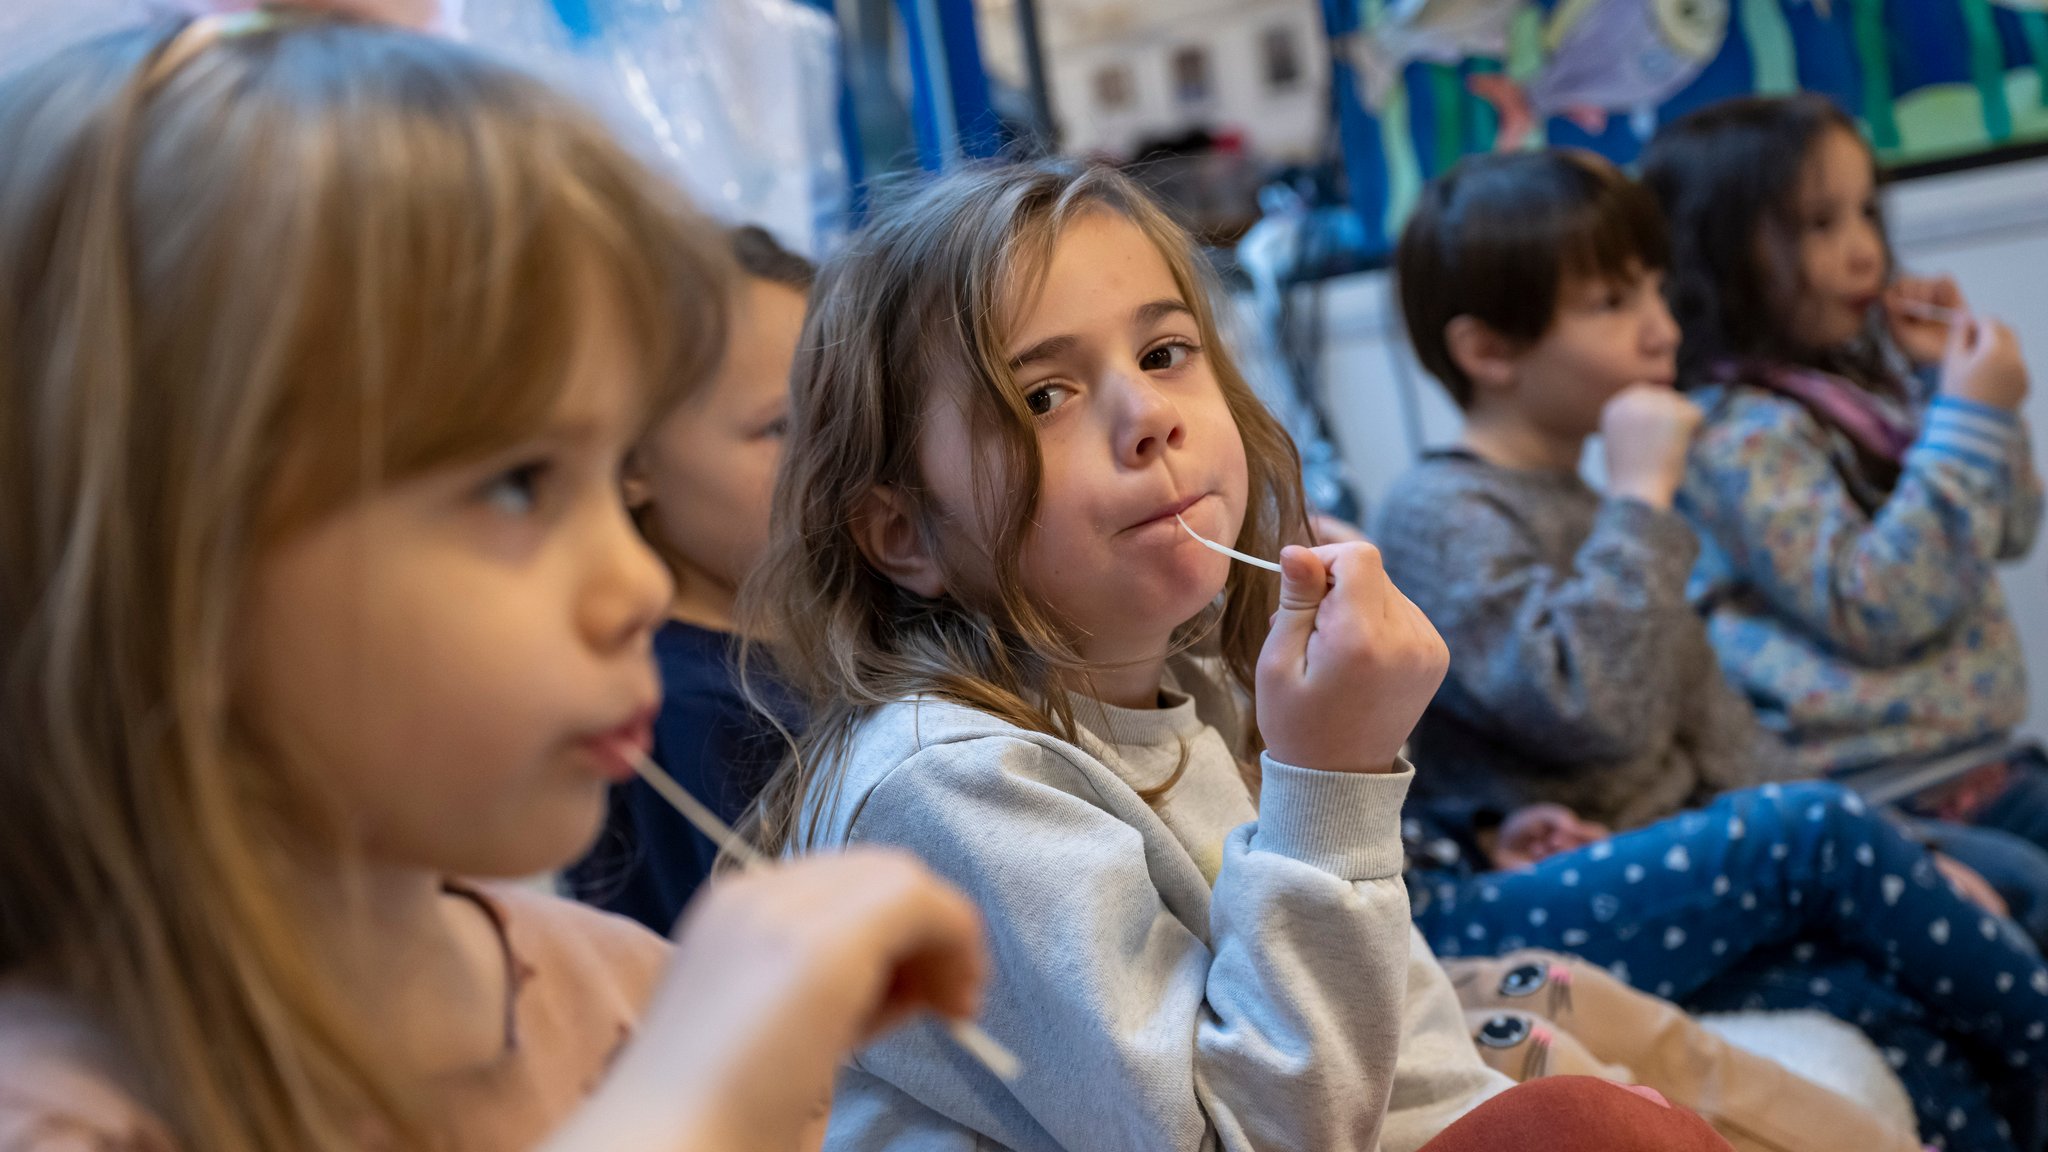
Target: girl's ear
{"points": [[1486, 357], [886, 529]]}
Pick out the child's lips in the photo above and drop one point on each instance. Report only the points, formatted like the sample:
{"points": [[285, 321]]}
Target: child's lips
{"points": [[1166, 512], [616, 748]]}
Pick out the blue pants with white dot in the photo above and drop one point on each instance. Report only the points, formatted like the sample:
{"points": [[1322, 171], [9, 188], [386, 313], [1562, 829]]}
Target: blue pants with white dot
{"points": [[1675, 907], [1963, 1098]]}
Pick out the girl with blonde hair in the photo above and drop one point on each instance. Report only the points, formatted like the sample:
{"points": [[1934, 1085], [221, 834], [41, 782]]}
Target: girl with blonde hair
{"points": [[1009, 397], [321, 345]]}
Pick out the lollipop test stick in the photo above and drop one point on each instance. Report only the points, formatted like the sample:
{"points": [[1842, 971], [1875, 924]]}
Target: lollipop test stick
{"points": [[1233, 553]]}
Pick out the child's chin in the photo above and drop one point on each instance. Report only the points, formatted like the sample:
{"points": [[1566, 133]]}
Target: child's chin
{"points": [[1194, 592], [562, 838]]}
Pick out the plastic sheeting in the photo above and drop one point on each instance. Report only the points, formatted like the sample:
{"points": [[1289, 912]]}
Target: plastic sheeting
{"points": [[737, 99], [30, 29]]}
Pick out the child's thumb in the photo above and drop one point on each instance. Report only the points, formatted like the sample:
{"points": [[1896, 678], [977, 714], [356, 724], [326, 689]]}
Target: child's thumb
{"points": [[1303, 583], [1304, 580], [1962, 333]]}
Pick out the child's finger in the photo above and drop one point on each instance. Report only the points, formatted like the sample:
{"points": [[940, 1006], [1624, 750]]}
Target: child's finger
{"points": [[1961, 335], [1943, 292], [2002, 338], [1356, 604], [1937, 290], [941, 979], [929, 941], [1304, 581]]}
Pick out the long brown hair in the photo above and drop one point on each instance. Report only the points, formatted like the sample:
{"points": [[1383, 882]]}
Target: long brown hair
{"points": [[919, 303], [247, 277], [1728, 177]]}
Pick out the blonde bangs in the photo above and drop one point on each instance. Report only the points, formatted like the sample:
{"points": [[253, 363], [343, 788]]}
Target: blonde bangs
{"points": [[420, 293]]}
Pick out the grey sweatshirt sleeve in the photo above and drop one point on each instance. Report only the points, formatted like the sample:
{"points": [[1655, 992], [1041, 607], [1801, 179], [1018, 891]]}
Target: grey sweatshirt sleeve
{"points": [[1563, 662], [1275, 1026], [1440, 1077]]}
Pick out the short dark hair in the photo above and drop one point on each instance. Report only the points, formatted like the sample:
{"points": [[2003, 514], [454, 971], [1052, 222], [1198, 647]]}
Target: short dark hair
{"points": [[1728, 177], [763, 258], [1495, 238]]}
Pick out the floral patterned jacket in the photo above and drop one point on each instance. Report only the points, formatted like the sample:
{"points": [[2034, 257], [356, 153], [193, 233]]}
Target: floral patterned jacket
{"points": [[1866, 633]]}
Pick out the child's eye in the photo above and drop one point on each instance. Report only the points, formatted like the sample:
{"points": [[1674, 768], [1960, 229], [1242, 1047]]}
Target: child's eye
{"points": [[1043, 399], [516, 491], [1167, 357], [775, 429]]}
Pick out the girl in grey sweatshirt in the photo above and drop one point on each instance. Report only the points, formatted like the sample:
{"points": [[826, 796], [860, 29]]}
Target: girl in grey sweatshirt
{"points": [[1172, 784]]}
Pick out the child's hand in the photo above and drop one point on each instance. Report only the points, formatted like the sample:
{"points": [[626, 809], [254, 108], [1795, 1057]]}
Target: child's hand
{"points": [[1646, 431], [1983, 364], [779, 973], [1971, 885], [1349, 665], [1922, 335], [1536, 833]]}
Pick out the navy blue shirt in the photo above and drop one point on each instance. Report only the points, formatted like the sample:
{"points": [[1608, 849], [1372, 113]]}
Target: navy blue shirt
{"points": [[649, 861]]}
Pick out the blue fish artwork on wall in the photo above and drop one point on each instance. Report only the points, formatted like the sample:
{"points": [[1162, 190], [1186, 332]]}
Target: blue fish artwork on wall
{"points": [[1929, 80]]}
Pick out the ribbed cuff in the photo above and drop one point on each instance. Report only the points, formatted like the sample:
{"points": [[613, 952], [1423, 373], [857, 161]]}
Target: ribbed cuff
{"points": [[1976, 433], [1989, 413], [1346, 823]]}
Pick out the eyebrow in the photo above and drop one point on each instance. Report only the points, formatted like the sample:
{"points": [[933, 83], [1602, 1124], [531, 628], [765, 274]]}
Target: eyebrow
{"points": [[1159, 310], [1048, 349], [1054, 347]]}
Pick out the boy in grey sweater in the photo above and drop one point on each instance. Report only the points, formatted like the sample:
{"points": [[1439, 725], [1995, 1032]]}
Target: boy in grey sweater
{"points": [[1579, 673]]}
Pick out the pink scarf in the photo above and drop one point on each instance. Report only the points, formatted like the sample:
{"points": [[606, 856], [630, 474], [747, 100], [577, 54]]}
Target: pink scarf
{"points": [[1834, 400]]}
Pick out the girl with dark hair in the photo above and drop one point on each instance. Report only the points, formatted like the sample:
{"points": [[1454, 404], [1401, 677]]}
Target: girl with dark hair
{"points": [[1862, 471]]}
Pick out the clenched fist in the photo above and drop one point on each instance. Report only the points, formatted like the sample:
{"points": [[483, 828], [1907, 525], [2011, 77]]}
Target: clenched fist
{"points": [[1647, 430], [1350, 663]]}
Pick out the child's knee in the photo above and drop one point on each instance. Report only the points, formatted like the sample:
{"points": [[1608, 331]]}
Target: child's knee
{"points": [[1774, 810], [1574, 1113]]}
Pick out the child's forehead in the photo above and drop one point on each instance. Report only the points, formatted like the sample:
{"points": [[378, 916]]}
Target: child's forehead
{"points": [[1837, 164], [1099, 265]]}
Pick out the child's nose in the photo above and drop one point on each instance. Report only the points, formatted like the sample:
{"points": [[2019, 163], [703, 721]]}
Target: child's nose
{"points": [[1661, 333], [1151, 422], [629, 592], [1866, 248]]}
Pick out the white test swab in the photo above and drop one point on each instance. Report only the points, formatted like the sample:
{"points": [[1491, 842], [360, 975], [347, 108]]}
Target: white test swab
{"points": [[969, 1035], [1233, 553], [1928, 311]]}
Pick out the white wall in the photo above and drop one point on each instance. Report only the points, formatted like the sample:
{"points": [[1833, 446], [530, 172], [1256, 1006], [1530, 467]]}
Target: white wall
{"points": [[1082, 39], [1989, 229]]}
